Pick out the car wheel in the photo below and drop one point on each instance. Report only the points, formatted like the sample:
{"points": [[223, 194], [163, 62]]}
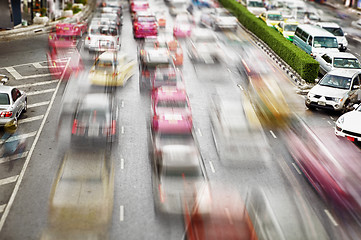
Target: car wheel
{"points": [[25, 106]]}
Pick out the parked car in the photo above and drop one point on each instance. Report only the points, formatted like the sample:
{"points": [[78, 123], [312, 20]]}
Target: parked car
{"points": [[218, 18], [338, 90], [287, 29], [348, 125], [336, 30], [13, 102], [271, 17], [334, 60]]}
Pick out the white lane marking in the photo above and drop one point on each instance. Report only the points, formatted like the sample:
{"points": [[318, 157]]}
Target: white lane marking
{"points": [[38, 65], [40, 92], [358, 54], [329, 123], [332, 118], [38, 104], [298, 170], [37, 84], [122, 163], [331, 218], [199, 132], [22, 173], [212, 167], [8, 180], [121, 217], [40, 75], [240, 87], [122, 130], [18, 137], [13, 157], [30, 119], [122, 103], [273, 135], [2, 207], [24, 64], [13, 72]]}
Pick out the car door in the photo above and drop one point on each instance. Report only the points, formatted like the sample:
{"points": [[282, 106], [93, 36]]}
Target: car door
{"points": [[325, 63], [17, 104], [355, 92]]}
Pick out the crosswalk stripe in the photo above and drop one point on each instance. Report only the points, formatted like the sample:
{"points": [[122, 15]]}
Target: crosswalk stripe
{"points": [[8, 180], [38, 104], [37, 84], [31, 119], [18, 137], [40, 75], [40, 92], [13, 72], [13, 157], [2, 207]]}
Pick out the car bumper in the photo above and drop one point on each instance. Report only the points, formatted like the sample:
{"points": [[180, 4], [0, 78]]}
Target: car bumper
{"points": [[142, 34], [353, 136], [328, 105], [181, 33], [3, 121]]}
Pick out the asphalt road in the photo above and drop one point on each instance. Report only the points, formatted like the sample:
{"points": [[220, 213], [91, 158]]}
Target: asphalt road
{"points": [[25, 199]]}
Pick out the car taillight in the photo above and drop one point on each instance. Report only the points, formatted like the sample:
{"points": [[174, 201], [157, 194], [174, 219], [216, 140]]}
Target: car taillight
{"points": [[113, 129], [75, 125], [88, 38], [6, 114], [161, 194]]}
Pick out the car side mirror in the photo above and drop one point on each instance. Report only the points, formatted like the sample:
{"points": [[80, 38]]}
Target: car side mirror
{"points": [[356, 87], [345, 34], [317, 80]]}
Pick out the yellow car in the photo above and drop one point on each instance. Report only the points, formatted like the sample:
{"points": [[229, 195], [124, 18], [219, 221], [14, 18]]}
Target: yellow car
{"points": [[287, 29], [271, 18], [112, 69]]}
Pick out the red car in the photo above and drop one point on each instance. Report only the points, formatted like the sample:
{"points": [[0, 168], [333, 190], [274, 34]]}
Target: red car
{"points": [[171, 110], [330, 164], [63, 56], [145, 25], [71, 29]]}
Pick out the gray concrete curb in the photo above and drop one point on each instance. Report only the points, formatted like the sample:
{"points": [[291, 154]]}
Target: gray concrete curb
{"points": [[44, 28]]}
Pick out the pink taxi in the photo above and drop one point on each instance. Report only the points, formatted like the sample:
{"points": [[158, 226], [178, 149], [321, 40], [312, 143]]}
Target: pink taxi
{"points": [[71, 29], [171, 111], [183, 25], [145, 25]]}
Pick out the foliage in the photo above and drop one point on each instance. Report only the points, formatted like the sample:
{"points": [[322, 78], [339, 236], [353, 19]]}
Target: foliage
{"points": [[76, 9], [69, 6], [43, 12], [81, 1]]}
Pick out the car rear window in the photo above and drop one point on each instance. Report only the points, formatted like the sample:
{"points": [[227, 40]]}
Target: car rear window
{"points": [[4, 99], [335, 31], [172, 104]]}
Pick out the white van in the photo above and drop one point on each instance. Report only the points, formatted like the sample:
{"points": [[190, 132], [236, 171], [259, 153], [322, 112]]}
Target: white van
{"points": [[256, 7], [315, 40]]}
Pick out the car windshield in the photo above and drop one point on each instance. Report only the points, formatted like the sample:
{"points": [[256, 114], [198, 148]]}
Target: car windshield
{"points": [[146, 19], [255, 4], [325, 42], [300, 15], [4, 99], [290, 27], [275, 17], [335, 31], [336, 82], [346, 63], [172, 104]]}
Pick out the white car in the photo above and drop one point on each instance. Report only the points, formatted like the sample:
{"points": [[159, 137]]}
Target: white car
{"points": [[348, 125], [13, 102], [256, 7], [333, 60], [336, 30], [337, 91], [102, 38], [218, 18], [177, 7]]}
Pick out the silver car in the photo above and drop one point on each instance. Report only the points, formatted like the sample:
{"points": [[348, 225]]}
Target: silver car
{"points": [[219, 18], [333, 60], [12, 103]]}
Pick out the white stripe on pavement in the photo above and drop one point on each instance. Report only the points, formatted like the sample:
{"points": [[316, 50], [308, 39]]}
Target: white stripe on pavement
{"points": [[37, 84], [40, 92], [13, 157], [13, 72], [121, 217], [2, 207], [31, 119], [41, 75], [8, 180], [331, 218], [38, 104], [18, 137]]}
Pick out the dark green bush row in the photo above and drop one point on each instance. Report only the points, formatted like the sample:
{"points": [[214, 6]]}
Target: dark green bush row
{"points": [[300, 61]]}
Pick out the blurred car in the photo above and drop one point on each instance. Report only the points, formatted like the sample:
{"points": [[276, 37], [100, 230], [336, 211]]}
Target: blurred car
{"points": [[94, 121], [334, 60], [336, 91], [177, 6], [336, 30], [183, 25], [171, 106], [205, 3], [331, 164], [256, 7], [102, 38], [13, 102], [112, 69], [144, 25], [138, 6], [203, 47], [237, 132], [271, 17], [71, 29], [348, 125], [112, 9], [166, 76], [149, 61], [287, 29], [217, 213], [161, 19], [218, 18], [113, 17], [81, 197]]}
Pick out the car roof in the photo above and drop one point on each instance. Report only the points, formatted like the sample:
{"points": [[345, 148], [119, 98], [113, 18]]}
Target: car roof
{"points": [[157, 55], [315, 30], [328, 24], [176, 156], [170, 93], [95, 100], [341, 54], [5, 89], [344, 72]]}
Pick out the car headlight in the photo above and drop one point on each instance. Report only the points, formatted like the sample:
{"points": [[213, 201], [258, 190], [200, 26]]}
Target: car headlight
{"points": [[335, 99], [340, 120], [310, 95]]}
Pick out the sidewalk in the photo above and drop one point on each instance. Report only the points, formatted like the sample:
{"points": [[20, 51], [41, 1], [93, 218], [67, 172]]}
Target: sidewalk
{"points": [[27, 31], [338, 4]]}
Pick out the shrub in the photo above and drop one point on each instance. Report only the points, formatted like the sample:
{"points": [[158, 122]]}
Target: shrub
{"points": [[300, 61], [81, 1], [69, 6], [76, 9], [43, 12]]}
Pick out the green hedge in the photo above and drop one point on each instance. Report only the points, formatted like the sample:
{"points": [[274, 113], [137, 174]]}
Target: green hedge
{"points": [[300, 61]]}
